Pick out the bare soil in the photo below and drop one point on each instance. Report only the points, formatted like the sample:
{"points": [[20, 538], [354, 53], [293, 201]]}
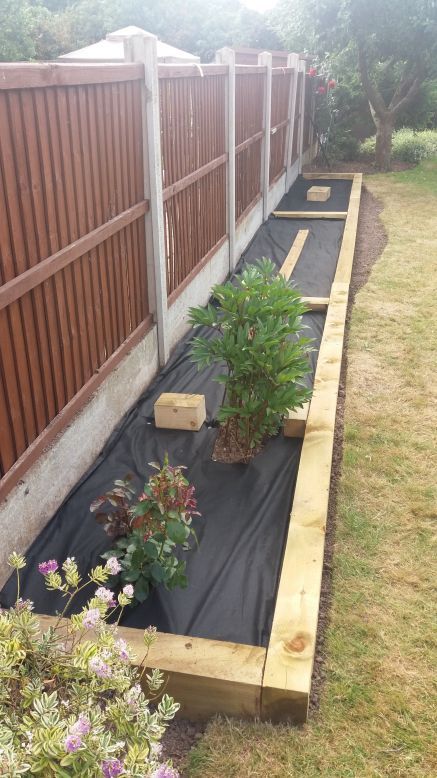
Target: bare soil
{"points": [[227, 448], [371, 241]]}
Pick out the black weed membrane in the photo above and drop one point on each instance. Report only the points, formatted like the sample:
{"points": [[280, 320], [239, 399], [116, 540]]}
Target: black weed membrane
{"points": [[245, 509]]}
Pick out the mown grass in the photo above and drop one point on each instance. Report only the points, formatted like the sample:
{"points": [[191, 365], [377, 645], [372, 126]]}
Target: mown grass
{"points": [[378, 708]]}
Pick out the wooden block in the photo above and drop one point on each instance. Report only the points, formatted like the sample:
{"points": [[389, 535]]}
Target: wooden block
{"points": [[176, 411], [294, 254], [310, 214], [316, 303], [295, 422], [319, 194]]}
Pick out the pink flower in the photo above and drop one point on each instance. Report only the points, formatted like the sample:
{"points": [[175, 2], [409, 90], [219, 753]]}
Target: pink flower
{"points": [[82, 726], [48, 567], [321, 90], [113, 565], [91, 618], [99, 667], [106, 596], [121, 647], [165, 771], [111, 768], [332, 84], [72, 743], [128, 591], [312, 72]]}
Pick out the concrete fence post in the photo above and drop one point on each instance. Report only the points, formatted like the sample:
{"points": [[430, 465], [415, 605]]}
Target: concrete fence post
{"points": [[302, 69], [226, 56], [292, 62], [265, 59], [142, 48]]}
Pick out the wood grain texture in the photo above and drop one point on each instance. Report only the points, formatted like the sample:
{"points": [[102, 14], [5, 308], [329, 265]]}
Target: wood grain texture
{"points": [[293, 255], [205, 676], [329, 176], [295, 422], [310, 214], [290, 654], [316, 303], [179, 411], [318, 194]]}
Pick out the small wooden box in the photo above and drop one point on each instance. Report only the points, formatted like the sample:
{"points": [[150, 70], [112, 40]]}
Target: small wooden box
{"points": [[296, 421], [319, 194], [176, 411]]}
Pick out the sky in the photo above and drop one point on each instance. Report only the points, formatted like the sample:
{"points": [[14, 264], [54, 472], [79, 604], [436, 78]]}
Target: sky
{"points": [[260, 5]]}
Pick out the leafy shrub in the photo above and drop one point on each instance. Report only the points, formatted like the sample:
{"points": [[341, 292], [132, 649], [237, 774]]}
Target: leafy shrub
{"points": [[408, 145], [257, 319], [71, 702], [149, 528]]}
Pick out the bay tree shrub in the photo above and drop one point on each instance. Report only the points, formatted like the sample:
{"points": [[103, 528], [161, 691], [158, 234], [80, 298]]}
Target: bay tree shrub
{"points": [[149, 529], [258, 321], [71, 698]]}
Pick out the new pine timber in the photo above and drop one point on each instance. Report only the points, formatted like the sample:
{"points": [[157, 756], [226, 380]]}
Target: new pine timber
{"points": [[295, 422], [310, 214], [316, 303], [291, 650], [293, 255], [328, 176], [204, 676]]}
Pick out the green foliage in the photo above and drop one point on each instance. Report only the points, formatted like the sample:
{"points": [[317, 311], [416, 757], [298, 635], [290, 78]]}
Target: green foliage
{"points": [[381, 52], [258, 319], [408, 145], [149, 529], [71, 703], [46, 28]]}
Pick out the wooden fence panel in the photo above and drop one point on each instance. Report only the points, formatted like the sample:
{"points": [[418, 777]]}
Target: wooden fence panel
{"points": [[73, 281], [249, 99], [280, 120], [193, 139]]}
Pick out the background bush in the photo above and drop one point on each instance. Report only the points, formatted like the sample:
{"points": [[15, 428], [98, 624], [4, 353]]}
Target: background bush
{"points": [[408, 145]]}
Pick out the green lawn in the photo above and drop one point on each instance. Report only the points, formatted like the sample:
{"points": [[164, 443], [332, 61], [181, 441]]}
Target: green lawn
{"points": [[378, 709]]}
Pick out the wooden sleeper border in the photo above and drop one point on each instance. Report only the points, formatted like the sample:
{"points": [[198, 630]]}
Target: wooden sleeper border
{"points": [[214, 676]]}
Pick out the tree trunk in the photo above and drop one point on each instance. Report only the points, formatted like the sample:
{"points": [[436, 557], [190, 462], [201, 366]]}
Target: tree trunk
{"points": [[384, 132]]}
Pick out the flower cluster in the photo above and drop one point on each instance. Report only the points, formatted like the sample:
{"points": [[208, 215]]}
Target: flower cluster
{"points": [[71, 704], [325, 85]]}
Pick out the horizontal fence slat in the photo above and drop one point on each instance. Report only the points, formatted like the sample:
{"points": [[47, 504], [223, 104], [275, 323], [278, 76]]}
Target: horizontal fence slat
{"points": [[28, 75], [35, 449], [173, 189], [191, 70], [31, 278], [246, 143]]}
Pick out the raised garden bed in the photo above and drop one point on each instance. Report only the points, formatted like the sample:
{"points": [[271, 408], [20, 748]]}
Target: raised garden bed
{"points": [[240, 639]]}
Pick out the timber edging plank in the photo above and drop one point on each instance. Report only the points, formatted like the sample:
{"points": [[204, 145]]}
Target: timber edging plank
{"points": [[290, 654], [293, 255], [310, 214], [204, 676]]}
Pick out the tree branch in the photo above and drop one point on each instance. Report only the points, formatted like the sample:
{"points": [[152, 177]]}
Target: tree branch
{"points": [[407, 98], [374, 96]]}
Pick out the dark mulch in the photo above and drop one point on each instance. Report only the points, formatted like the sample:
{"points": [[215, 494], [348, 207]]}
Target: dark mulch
{"points": [[371, 241], [228, 449]]}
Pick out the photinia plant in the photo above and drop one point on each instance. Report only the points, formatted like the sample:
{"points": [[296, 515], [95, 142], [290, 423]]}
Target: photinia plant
{"points": [[258, 320], [71, 700], [149, 529]]}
